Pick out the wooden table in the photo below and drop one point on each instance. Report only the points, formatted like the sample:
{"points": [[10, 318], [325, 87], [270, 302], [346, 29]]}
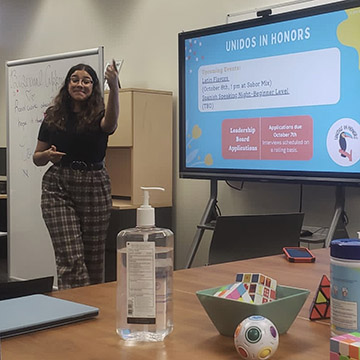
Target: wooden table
{"points": [[194, 336]]}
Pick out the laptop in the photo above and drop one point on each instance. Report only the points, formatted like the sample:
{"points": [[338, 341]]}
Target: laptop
{"points": [[37, 312], [249, 236]]}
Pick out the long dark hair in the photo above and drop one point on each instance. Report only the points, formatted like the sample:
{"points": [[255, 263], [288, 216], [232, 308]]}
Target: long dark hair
{"points": [[57, 114]]}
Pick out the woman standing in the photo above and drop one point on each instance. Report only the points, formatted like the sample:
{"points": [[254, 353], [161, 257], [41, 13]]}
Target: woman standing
{"points": [[76, 196]]}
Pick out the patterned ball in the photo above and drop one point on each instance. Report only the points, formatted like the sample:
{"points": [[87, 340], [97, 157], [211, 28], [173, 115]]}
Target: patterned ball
{"points": [[256, 337]]}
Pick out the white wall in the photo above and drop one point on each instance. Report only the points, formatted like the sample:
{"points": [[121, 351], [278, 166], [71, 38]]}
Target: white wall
{"points": [[144, 33]]}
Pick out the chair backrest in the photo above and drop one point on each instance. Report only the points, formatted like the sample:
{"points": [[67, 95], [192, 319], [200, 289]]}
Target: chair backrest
{"points": [[13, 289], [249, 236]]}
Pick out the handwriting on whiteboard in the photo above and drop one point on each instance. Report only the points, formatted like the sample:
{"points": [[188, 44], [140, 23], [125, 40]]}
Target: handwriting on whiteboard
{"points": [[31, 92]]}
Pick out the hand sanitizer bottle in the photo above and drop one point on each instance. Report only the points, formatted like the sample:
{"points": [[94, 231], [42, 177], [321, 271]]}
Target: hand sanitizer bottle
{"points": [[144, 278]]}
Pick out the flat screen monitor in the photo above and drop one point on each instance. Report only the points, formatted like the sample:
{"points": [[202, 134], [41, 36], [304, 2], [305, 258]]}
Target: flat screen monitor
{"points": [[275, 98]]}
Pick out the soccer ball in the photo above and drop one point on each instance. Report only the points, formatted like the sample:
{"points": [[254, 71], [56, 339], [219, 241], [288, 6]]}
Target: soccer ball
{"points": [[256, 337]]}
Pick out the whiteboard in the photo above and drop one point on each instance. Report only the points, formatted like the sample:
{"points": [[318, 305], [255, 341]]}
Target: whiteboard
{"points": [[31, 86], [279, 8]]}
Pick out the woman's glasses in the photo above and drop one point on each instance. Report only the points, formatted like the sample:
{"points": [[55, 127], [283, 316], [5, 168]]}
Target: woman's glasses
{"points": [[85, 81]]}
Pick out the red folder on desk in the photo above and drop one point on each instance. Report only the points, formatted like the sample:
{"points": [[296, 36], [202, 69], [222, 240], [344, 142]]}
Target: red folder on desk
{"points": [[37, 312]]}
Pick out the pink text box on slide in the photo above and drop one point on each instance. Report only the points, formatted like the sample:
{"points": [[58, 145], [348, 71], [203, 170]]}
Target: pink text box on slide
{"points": [[269, 138]]}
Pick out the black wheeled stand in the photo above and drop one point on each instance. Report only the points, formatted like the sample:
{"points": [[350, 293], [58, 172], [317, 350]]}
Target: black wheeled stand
{"points": [[209, 214], [338, 214]]}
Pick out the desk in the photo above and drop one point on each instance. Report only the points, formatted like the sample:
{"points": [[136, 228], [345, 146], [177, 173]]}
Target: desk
{"points": [[194, 336]]}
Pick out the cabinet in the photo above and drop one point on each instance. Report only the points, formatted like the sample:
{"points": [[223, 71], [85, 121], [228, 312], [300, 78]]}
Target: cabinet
{"points": [[139, 154], [140, 151]]}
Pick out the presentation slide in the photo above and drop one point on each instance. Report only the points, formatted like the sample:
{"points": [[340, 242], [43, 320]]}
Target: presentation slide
{"points": [[283, 96]]}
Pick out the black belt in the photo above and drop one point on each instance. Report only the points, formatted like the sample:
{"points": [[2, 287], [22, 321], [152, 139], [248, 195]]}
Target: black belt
{"points": [[81, 165]]}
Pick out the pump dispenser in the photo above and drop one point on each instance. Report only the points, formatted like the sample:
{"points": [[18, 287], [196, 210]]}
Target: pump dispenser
{"points": [[144, 277], [145, 214]]}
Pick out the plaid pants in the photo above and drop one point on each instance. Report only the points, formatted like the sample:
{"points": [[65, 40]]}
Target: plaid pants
{"points": [[76, 209]]}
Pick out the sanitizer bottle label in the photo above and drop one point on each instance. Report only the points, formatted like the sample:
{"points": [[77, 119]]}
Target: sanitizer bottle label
{"points": [[141, 295]]}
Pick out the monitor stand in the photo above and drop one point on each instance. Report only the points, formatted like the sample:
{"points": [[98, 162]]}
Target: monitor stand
{"points": [[336, 230], [206, 222], [337, 227]]}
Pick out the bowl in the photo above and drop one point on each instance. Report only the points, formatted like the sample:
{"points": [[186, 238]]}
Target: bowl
{"points": [[226, 314]]}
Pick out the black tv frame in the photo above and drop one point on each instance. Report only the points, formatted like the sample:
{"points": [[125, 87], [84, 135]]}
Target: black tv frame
{"points": [[296, 177]]}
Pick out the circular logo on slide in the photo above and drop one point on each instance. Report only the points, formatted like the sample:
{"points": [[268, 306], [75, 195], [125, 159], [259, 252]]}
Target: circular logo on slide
{"points": [[343, 142]]}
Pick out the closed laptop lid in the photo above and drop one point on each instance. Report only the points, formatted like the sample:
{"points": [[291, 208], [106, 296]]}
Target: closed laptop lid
{"points": [[36, 312]]}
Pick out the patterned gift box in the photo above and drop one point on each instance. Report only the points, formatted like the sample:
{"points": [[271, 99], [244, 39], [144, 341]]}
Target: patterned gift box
{"points": [[345, 347]]}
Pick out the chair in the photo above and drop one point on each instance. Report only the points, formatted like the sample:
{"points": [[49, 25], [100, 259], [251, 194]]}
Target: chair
{"points": [[249, 236], [3, 244], [13, 289]]}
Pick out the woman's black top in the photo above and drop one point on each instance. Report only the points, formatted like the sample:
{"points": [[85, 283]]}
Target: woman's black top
{"points": [[87, 145]]}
